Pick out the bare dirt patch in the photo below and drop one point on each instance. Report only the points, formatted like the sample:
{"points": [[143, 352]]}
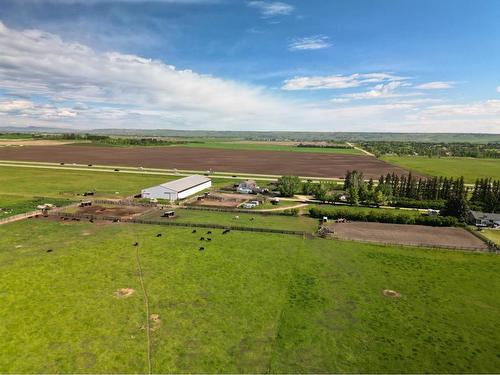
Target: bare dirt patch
{"points": [[391, 293], [220, 200], [124, 292], [115, 211], [402, 234], [218, 160], [155, 322]]}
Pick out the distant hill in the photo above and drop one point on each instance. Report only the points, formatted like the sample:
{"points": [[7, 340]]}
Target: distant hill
{"points": [[272, 135]]}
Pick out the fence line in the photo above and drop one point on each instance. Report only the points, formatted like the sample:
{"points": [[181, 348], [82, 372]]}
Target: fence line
{"points": [[491, 245], [176, 224], [17, 217]]}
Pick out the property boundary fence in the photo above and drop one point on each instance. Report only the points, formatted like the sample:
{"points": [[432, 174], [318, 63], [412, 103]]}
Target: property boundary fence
{"points": [[17, 217], [175, 223]]}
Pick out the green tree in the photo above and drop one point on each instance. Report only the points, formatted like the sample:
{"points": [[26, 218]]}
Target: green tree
{"points": [[288, 186], [457, 206], [353, 196]]}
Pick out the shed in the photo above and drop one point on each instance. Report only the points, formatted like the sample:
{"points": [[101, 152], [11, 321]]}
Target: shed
{"points": [[178, 189]]}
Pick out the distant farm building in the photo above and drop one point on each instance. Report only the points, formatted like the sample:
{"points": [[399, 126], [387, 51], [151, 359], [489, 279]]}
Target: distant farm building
{"points": [[178, 189], [247, 187]]}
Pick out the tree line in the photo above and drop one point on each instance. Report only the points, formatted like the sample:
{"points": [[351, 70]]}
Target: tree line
{"points": [[458, 149]]}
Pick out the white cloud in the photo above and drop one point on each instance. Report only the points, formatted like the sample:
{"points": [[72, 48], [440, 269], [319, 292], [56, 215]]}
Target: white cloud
{"points": [[338, 81], [73, 86], [272, 8], [309, 43], [437, 85], [498, 89], [383, 91]]}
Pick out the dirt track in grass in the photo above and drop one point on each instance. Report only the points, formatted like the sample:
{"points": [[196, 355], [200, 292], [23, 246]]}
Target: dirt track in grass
{"points": [[242, 161]]}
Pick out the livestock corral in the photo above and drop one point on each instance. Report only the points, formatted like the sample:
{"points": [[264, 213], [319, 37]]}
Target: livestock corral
{"points": [[219, 200], [404, 234], [200, 159]]}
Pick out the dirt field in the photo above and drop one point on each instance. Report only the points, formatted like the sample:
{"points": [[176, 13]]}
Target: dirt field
{"points": [[120, 211], [32, 142], [220, 200], [402, 234], [243, 161]]}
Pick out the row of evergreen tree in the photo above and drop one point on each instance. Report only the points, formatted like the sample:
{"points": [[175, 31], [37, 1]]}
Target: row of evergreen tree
{"points": [[484, 196]]}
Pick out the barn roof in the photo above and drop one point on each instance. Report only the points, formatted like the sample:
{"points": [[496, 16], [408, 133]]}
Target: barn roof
{"points": [[185, 183]]}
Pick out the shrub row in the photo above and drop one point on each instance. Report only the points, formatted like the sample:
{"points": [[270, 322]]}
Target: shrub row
{"points": [[413, 203], [384, 217]]}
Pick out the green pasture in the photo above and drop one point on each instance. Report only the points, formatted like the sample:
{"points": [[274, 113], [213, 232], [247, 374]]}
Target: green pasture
{"points": [[269, 147], [470, 168], [11, 204], [248, 303], [354, 209], [492, 234], [238, 219]]}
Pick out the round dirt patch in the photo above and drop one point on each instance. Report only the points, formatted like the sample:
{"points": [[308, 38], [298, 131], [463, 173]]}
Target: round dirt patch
{"points": [[124, 292], [391, 293]]}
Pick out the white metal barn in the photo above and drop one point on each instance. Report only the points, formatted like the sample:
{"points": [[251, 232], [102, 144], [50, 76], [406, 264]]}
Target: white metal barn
{"points": [[178, 189]]}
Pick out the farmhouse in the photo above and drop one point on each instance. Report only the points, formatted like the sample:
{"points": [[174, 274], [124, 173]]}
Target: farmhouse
{"points": [[247, 187], [482, 219], [178, 189]]}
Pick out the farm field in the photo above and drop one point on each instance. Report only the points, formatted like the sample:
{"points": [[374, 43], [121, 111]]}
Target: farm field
{"points": [[31, 182], [403, 234], [367, 210], [201, 159], [492, 234], [271, 146], [248, 303], [257, 220], [470, 168]]}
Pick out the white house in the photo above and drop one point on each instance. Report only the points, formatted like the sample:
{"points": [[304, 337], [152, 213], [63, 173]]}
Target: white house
{"points": [[178, 189], [247, 187]]}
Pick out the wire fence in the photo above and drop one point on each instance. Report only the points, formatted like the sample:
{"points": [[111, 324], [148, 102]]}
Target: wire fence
{"points": [[17, 217]]}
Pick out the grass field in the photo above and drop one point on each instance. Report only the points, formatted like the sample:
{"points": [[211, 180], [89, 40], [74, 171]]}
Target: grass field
{"points": [[244, 220], [492, 234], [15, 204], [470, 168], [249, 303], [270, 147]]}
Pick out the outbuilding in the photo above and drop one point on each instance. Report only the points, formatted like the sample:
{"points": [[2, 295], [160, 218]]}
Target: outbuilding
{"points": [[178, 189]]}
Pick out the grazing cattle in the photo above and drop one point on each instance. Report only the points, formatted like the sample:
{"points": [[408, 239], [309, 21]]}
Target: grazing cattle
{"points": [[49, 250], [209, 232], [226, 231], [136, 244], [194, 231], [209, 239], [202, 239], [201, 248], [158, 235], [91, 220]]}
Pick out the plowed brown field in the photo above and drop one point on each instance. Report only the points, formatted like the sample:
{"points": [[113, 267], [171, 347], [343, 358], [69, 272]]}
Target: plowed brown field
{"points": [[244, 161]]}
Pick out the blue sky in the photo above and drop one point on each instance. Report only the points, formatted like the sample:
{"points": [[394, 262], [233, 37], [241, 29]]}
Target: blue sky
{"points": [[330, 65]]}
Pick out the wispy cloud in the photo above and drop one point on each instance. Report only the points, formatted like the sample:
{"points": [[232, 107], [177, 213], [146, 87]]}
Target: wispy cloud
{"points": [[272, 8], [310, 43], [338, 81], [437, 85]]}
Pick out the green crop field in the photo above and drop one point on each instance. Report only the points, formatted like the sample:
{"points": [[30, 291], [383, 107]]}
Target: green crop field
{"points": [[15, 204], [248, 303], [470, 168], [270, 147], [366, 210], [300, 223]]}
